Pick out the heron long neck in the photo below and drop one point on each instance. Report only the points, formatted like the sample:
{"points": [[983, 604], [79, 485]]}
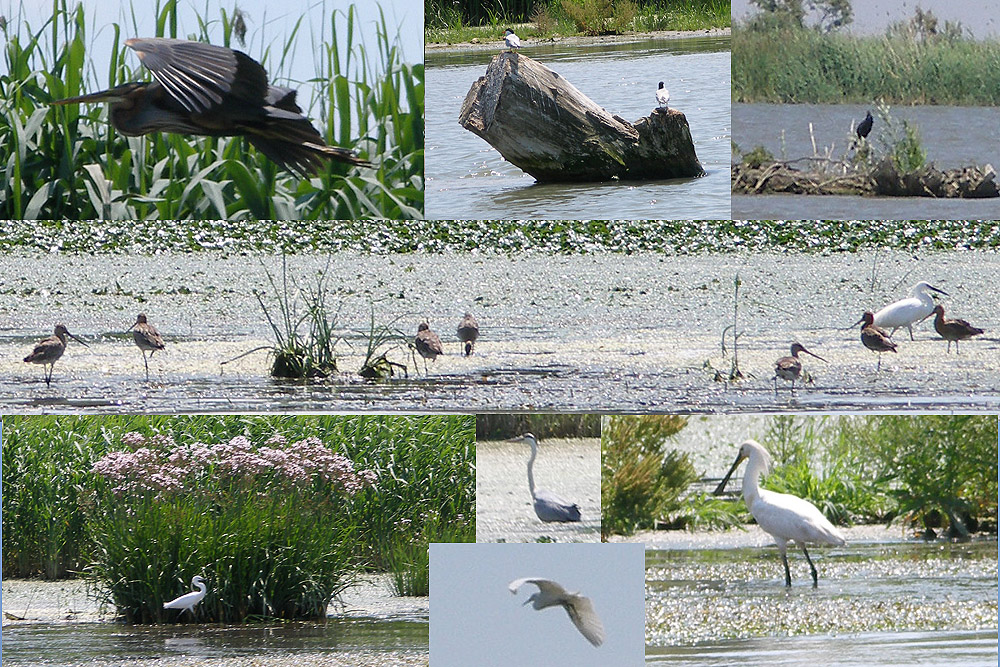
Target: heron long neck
{"points": [[200, 585], [751, 482], [531, 465]]}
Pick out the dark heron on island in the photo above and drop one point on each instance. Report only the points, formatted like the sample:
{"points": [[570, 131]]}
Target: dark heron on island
{"points": [[865, 126], [213, 91]]}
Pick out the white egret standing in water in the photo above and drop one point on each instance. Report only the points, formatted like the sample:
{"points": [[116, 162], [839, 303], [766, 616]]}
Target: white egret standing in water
{"points": [[580, 608], [548, 506], [187, 601], [785, 517]]}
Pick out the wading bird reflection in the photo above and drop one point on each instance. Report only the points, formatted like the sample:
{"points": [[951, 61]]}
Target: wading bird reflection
{"points": [[580, 608], [187, 601], [548, 506], [48, 351], [214, 91], [785, 517]]}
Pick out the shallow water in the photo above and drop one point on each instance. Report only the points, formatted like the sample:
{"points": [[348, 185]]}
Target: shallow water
{"points": [[466, 177], [569, 468], [878, 602], [572, 333], [952, 137]]}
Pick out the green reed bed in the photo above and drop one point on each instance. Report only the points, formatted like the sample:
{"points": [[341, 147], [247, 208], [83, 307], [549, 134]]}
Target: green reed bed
{"points": [[383, 237], [801, 65], [454, 23], [68, 163], [278, 514]]}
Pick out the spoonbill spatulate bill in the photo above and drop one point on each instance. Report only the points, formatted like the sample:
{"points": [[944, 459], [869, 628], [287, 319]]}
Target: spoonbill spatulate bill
{"points": [[784, 517], [580, 608], [906, 312], [548, 506], [187, 601]]}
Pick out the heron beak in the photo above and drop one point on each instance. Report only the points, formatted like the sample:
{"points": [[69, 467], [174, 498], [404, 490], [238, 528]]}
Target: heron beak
{"points": [[725, 480], [939, 291], [116, 94]]}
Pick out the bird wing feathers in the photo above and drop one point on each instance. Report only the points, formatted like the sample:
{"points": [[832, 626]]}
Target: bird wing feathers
{"points": [[581, 612], [546, 586], [200, 75], [792, 518]]}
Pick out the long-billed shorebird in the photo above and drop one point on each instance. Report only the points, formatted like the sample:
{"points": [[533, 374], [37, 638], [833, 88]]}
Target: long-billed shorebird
{"points": [[147, 338], [48, 351], [784, 517], [468, 332], [428, 343], [952, 330], [790, 368], [905, 312], [874, 338]]}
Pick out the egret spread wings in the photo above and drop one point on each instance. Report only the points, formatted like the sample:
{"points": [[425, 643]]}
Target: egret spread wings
{"points": [[548, 587], [580, 609]]}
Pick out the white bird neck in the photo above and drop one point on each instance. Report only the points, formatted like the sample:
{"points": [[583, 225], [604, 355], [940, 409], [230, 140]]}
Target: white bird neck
{"points": [[200, 585], [751, 480]]}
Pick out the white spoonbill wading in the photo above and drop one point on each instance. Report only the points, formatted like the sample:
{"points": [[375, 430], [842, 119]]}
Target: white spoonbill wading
{"points": [[580, 608], [48, 351], [785, 517], [187, 601], [905, 312], [548, 506]]}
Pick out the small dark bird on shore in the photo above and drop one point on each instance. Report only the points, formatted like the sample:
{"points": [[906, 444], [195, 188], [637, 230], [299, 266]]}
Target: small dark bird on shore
{"points": [[468, 332], [865, 126], [874, 338], [428, 343], [952, 330], [213, 91]]}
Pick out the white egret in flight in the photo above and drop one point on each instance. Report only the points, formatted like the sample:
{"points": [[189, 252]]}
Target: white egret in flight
{"points": [[905, 312], [548, 506], [187, 601], [580, 608], [785, 517]]}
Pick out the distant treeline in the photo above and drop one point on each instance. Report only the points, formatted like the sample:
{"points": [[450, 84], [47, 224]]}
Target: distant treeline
{"points": [[500, 426], [788, 64]]}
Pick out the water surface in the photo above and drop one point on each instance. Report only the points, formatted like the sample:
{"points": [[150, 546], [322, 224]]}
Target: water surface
{"points": [[467, 178]]}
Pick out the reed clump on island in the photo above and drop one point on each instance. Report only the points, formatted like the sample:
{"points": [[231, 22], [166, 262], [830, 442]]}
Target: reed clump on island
{"points": [[68, 163], [278, 514]]}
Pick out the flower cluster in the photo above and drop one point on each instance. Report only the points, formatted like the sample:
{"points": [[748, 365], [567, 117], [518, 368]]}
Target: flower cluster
{"points": [[160, 465]]}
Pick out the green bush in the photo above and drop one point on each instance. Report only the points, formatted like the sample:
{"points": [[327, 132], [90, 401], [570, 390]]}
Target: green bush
{"points": [[641, 483]]}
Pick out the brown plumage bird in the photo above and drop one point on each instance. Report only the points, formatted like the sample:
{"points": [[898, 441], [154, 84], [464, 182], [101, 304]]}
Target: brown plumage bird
{"points": [[428, 343], [214, 91], [952, 330], [468, 332], [48, 351], [874, 338], [147, 338], [790, 368]]}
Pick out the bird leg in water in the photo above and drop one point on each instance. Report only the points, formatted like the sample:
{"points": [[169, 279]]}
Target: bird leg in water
{"points": [[788, 575], [811, 567]]}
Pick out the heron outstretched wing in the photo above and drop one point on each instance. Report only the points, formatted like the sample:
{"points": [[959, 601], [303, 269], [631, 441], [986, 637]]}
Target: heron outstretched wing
{"points": [[201, 76], [546, 586]]}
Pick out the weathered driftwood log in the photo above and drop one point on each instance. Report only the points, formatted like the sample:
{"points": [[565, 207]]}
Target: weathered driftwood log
{"points": [[540, 122], [885, 179]]}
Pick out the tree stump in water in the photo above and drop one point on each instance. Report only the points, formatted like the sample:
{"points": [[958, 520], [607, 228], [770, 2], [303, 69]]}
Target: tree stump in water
{"points": [[541, 123]]}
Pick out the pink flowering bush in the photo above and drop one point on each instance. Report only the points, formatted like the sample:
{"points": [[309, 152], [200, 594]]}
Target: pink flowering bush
{"points": [[269, 526], [159, 465]]}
